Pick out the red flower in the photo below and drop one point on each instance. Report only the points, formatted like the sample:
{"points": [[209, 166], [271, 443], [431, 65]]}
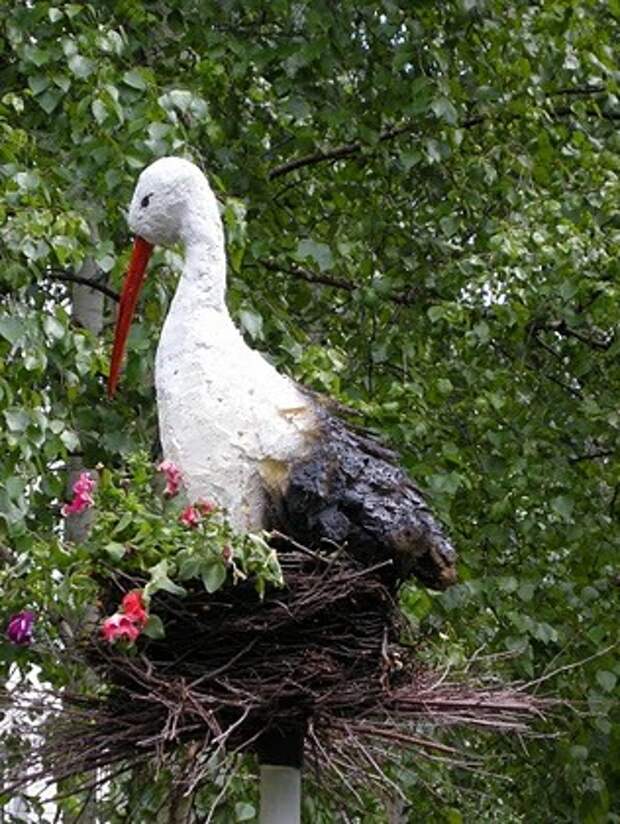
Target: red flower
{"points": [[190, 516], [129, 622], [82, 495], [119, 626], [174, 479], [133, 607]]}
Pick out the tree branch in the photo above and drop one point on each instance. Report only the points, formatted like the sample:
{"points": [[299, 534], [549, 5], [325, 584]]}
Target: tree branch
{"points": [[337, 153], [563, 329], [536, 368], [69, 277], [563, 111], [406, 298], [592, 456], [578, 90], [301, 273], [348, 149]]}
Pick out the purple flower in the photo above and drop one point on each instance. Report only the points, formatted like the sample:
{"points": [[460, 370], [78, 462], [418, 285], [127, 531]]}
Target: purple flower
{"points": [[19, 630]]}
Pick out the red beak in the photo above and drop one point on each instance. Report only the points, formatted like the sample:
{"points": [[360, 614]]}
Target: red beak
{"points": [[129, 297]]}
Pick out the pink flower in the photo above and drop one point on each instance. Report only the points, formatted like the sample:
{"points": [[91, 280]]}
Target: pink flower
{"points": [[19, 629], [190, 516], [129, 622], [119, 626], [206, 507], [174, 479], [82, 495], [133, 608]]}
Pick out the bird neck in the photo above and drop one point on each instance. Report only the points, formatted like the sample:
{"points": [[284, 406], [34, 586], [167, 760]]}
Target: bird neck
{"points": [[204, 273], [204, 276]]}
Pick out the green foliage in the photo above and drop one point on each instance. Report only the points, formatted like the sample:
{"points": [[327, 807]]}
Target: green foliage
{"points": [[139, 533], [421, 204]]}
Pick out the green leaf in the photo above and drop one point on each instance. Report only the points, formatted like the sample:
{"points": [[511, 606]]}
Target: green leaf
{"points": [[435, 313], [53, 328], [445, 110], [70, 440], [15, 487], [244, 811], [11, 328], [81, 66], [606, 680], [38, 83], [99, 110], [17, 419], [189, 566], [508, 584], [563, 505], [449, 226], [252, 323], [115, 551], [160, 580], [124, 521], [213, 575], [40, 57], [409, 159], [526, 592], [320, 253], [154, 628], [544, 632], [49, 100], [481, 331], [579, 753], [135, 79], [63, 82]]}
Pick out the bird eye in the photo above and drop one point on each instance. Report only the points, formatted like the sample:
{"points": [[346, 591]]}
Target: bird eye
{"points": [[145, 201]]}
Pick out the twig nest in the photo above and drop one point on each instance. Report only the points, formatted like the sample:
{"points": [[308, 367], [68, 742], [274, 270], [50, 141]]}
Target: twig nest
{"points": [[317, 663]]}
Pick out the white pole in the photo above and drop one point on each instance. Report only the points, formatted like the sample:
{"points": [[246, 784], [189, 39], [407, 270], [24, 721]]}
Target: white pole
{"points": [[280, 753], [280, 795]]}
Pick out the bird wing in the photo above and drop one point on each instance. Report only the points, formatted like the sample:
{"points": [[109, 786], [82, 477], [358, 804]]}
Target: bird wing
{"points": [[349, 490]]}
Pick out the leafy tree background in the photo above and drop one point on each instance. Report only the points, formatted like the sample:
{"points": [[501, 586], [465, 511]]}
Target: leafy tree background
{"points": [[421, 204]]}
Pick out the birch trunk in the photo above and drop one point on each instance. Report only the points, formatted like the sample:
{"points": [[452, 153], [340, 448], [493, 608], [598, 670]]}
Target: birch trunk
{"points": [[88, 311]]}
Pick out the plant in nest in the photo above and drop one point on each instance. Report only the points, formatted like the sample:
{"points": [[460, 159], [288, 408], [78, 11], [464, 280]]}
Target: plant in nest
{"points": [[147, 537]]}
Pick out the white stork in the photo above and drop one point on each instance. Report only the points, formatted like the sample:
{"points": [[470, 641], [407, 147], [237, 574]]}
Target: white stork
{"points": [[253, 440], [245, 435]]}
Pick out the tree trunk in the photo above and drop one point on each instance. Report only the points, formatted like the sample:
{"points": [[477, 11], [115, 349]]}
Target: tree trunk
{"points": [[88, 309]]}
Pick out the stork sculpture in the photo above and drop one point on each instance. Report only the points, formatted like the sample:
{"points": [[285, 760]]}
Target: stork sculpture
{"points": [[249, 437]]}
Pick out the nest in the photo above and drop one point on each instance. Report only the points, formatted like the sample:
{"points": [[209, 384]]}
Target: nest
{"points": [[318, 665]]}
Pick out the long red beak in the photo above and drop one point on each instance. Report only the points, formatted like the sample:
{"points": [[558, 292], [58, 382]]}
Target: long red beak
{"points": [[131, 289]]}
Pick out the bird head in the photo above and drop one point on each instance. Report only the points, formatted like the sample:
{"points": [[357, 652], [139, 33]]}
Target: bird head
{"points": [[163, 199], [172, 202]]}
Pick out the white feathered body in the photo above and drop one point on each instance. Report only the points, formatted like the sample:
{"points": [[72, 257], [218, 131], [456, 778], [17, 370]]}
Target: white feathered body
{"points": [[227, 418]]}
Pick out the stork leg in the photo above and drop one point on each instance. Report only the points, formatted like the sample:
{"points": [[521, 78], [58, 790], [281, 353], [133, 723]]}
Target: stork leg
{"points": [[280, 754]]}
